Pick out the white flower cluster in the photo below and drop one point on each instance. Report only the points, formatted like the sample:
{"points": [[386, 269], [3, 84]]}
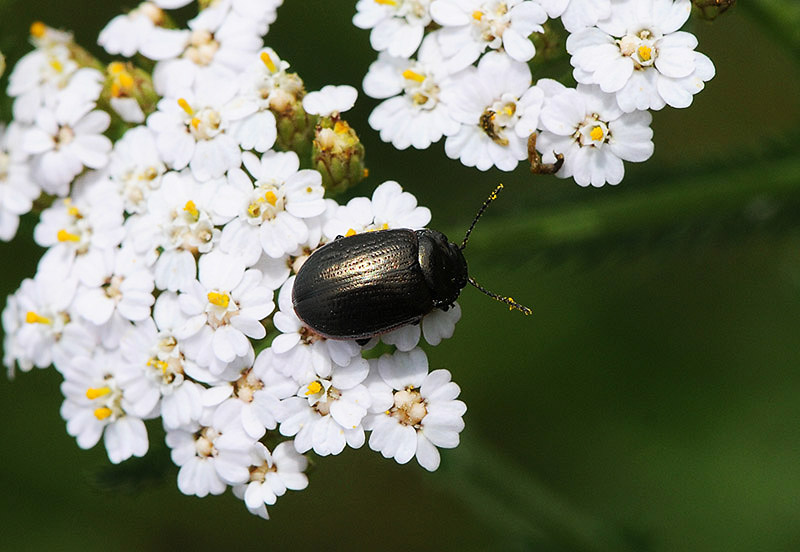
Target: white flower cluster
{"points": [[171, 251], [629, 56]]}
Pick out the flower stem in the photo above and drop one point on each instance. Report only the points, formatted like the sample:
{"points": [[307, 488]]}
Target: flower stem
{"points": [[521, 508], [735, 190], [781, 18]]}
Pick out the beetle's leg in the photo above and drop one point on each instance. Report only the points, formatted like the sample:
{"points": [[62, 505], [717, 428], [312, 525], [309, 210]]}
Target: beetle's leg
{"points": [[338, 237]]}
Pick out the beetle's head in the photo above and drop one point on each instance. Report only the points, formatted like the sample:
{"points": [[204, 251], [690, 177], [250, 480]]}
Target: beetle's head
{"points": [[443, 265]]}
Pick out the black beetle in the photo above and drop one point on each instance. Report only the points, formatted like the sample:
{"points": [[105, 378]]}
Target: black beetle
{"points": [[367, 284]]}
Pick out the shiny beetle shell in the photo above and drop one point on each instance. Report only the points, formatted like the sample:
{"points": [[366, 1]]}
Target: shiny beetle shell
{"points": [[367, 284]]}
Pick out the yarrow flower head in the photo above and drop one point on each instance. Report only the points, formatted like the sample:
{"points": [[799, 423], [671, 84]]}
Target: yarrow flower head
{"points": [[472, 82], [271, 475], [639, 55], [225, 306], [264, 86], [136, 167], [67, 136], [194, 130], [219, 44], [469, 28], [78, 229], [40, 329], [95, 405], [178, 206], [130, 33], [174, 238], [179, 223], [414, 113], [268, 215], [41, 74], [18, 189], [397, 25], [213, 452], [593, 133], [414, 411], [497, 108], [327, 410]]}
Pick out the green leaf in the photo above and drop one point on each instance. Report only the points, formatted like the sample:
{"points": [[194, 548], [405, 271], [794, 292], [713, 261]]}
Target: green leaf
{"points": [[745, 189], [781, 18], [509, 498]]}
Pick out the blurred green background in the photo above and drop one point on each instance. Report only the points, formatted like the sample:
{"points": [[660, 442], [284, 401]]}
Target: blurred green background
{"points": [[650, 403]]}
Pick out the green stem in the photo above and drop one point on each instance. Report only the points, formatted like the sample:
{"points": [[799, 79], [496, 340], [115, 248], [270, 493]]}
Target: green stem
{"points": [[781, 18], [657, 208], [521, 509]]}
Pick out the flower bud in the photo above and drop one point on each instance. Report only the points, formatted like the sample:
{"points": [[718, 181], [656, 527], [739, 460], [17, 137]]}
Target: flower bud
{"points": [[338, 155], [295, 126], [711, 9], [129, 91]]}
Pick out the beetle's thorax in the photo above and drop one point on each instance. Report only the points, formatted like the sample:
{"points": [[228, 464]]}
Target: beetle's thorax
{"points": [[443, 266]]}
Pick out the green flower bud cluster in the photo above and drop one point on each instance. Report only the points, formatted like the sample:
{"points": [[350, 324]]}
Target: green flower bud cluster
{"points": [[338, 155]]}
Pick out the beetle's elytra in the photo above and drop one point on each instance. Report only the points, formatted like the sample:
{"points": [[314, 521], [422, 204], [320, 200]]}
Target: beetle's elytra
{"points": [[371, 283], [367, 284]]}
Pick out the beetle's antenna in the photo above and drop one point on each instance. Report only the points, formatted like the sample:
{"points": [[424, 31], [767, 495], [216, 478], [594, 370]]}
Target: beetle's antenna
{"points": [[507, 300], [486, 203]]}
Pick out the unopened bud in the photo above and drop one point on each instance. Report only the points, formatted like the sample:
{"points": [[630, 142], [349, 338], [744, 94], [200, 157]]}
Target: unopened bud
{"points": [[295, 126], [711, 9], [129, 92], [338, 155]]}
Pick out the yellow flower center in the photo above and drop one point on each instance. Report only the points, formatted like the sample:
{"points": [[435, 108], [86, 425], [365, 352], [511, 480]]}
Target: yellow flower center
{"points": [[266, 60], [95, 392], [411, 75], [38, 29], [645, 53], [126, 80], [254, 209], [596, 133], [102, 413], [33, 318], [160, 364], [219, 299], [71, 209], [64, 236], [313, 388], [185, 106], [191, 208], [116, 67]]}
